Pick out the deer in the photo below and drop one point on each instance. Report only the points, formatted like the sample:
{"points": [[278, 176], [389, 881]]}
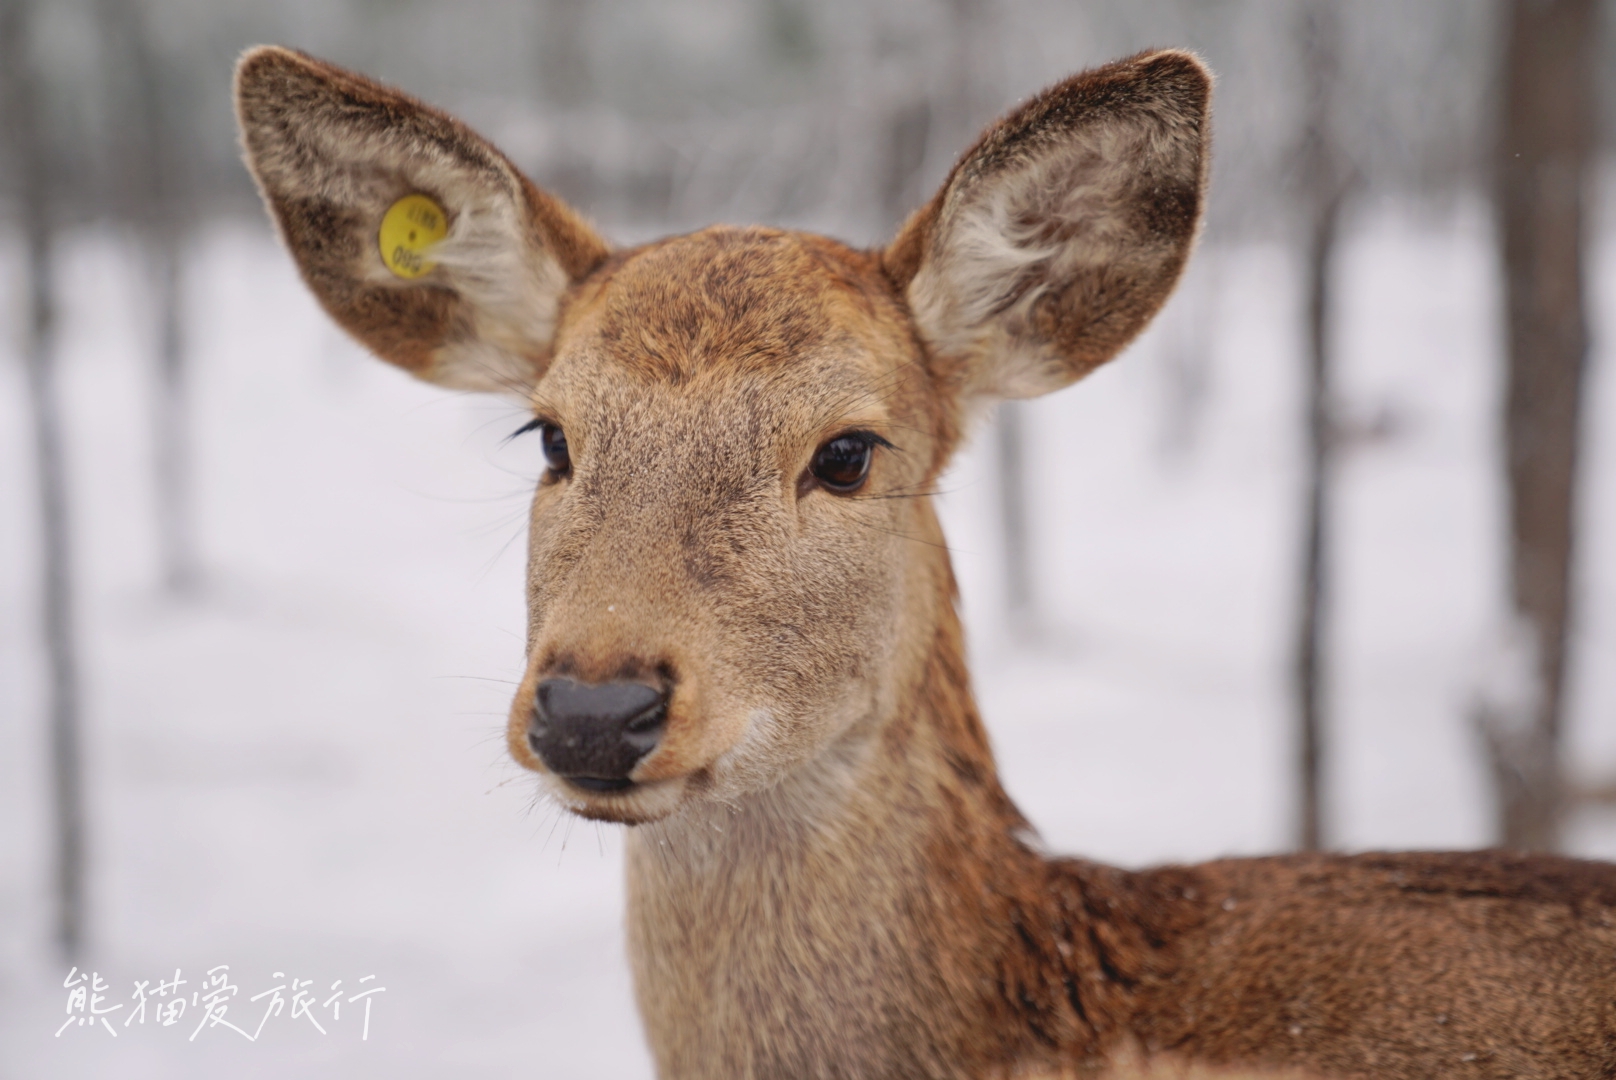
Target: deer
{"points": [[743, 642]]}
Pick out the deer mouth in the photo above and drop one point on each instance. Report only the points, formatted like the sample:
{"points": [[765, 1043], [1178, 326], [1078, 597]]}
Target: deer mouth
{"points": [[620, 801], [600, 783]]}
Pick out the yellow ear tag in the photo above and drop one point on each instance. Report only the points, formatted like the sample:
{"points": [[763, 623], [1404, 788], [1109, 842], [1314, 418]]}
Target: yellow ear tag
{"points": [[409, 229]]}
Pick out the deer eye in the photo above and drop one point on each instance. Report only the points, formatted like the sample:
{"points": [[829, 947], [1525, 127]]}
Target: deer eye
{"points": [[842, 464], [554, 442]]}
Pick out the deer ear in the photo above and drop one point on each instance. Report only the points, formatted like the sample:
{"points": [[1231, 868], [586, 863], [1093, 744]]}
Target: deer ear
{"points": [[476, 257], [1062, 232]]}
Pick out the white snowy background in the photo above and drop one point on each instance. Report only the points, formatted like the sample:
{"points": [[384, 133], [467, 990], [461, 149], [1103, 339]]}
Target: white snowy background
{"points": [[302, 770]]}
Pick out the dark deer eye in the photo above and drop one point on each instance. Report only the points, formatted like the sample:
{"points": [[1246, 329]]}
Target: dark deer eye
{"points": [[554, 441], [842, 464]]}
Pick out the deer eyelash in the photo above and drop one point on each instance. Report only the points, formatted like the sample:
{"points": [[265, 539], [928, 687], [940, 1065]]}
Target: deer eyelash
{"points": [[532, 425]]}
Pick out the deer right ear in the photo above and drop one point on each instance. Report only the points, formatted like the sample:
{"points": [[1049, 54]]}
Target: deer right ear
{"points": [[1062, 232], [416, 234]]}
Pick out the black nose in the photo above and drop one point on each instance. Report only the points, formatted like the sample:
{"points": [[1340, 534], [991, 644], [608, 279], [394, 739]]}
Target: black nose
{"points": [[594, 734]]}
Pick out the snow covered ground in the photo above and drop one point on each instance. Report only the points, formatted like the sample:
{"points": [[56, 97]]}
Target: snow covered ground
{"points": [[301, 772]]}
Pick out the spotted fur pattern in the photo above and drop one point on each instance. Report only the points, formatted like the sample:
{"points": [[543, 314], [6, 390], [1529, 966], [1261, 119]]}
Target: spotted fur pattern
{"points": [[825, 877]]}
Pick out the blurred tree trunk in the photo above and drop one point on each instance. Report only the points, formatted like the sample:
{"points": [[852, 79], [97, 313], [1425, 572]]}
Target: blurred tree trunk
{"points": [[1324, 180], [566, 82], [1013, 512], [1544, 147], [1189, 331], [27, 146], [148, 152], [176, 517], [564, 75]]}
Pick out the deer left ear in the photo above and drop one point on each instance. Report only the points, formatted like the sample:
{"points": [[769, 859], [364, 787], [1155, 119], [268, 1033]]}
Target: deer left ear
{"points": [[1062, 232]]}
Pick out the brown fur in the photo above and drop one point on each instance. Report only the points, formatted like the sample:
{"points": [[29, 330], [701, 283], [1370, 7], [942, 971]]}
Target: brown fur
{"points": [[825, 877]]}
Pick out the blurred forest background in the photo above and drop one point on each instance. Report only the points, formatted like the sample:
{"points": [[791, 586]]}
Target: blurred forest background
{"points": [[1328, 559]]}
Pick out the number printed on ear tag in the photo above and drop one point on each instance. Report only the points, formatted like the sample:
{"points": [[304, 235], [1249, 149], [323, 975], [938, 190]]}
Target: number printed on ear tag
{"points": [[409, 228]]}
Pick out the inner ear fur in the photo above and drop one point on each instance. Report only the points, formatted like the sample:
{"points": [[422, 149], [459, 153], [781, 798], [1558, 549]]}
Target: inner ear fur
{"points": [[1063, 231], [332, 151]]}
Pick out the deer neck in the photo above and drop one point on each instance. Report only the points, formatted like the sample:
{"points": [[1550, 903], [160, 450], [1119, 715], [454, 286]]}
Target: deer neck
{"points": [[847, 921]]}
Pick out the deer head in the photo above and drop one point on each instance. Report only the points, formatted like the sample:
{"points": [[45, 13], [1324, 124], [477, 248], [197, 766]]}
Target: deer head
{"points": [[734, 570]]}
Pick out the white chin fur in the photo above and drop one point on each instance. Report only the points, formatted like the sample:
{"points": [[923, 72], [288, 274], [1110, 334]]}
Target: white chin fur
{"points": [[636, 806]]}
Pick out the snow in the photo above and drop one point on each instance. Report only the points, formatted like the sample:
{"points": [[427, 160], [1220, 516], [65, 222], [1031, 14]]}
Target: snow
{"points": [[302, 770]]}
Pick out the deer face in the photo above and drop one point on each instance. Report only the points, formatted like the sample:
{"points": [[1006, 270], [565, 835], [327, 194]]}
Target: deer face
{"points": [[733, 567], [721, 557]]}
